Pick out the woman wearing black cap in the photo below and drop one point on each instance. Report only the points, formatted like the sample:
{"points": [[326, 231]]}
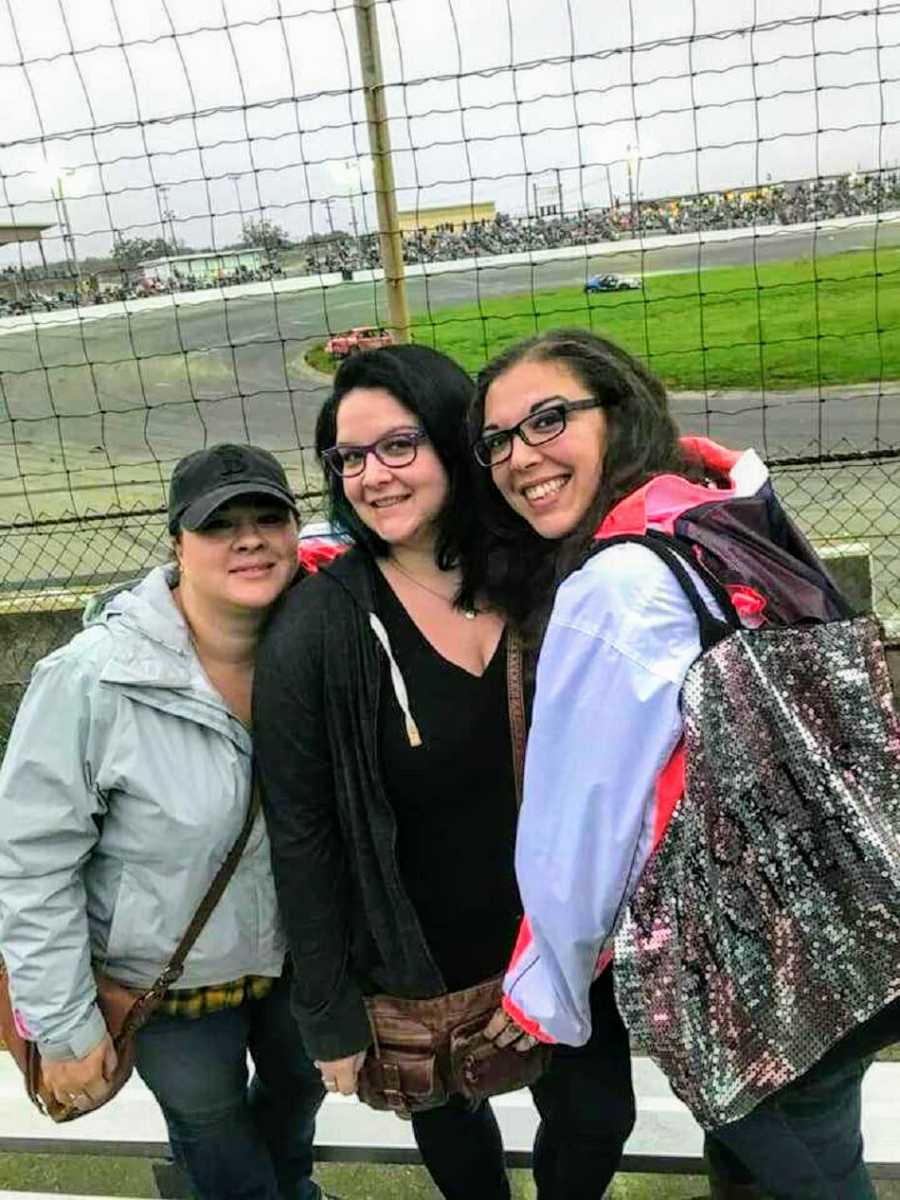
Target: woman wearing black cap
{"points": [[126, 782]]}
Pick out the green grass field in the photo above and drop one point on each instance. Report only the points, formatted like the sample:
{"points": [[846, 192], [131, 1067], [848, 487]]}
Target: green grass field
{"points": [[319, 359], [359, 1181], [783, 325]]}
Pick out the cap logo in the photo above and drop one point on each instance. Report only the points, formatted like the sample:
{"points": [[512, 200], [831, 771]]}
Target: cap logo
{"points": [[231, 461]]}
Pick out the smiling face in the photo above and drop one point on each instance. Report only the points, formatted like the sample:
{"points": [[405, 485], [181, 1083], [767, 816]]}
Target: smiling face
{"points": [[399, 504], [243, 557], [552, 485]]}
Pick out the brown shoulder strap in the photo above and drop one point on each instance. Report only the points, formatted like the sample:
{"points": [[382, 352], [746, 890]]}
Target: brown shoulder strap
{"points": [[213, 894], [516, 698], [147, 1002]]}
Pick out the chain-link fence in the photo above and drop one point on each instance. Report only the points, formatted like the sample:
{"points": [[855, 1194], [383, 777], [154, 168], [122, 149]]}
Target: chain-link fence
{"points": [[193, 199], [51, 568], [850, 507]]}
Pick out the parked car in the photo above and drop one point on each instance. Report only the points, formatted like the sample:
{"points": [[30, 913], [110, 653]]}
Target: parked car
{"points": [[363, 337], [612, 283]]}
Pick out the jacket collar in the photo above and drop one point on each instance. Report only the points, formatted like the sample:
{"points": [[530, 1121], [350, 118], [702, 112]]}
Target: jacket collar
{"points": [[154, 662], [153, 646]]}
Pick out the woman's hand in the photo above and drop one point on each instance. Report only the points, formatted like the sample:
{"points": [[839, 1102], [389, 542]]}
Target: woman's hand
{"points": [[82, 1081], [339, 1074], [506, 1034]]}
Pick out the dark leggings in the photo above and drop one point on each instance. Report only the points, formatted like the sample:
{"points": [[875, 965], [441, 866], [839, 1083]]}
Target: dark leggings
{"points": [[586, 1104], [802, 1143], [462, 1150]]}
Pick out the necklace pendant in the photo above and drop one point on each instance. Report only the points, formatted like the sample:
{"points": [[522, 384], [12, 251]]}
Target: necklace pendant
{"points": [[470, 614]]}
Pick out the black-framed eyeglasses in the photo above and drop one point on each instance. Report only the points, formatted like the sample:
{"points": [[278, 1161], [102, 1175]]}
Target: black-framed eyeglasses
{"points": [[393, 450], [496, 446]]}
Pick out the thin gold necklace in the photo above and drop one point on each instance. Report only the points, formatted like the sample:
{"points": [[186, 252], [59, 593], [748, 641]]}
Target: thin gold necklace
{"points": [[469, 613]]}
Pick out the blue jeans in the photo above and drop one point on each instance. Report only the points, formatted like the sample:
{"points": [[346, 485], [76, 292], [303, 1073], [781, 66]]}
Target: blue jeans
{"points": [[804, 1142], [234, 1141]]}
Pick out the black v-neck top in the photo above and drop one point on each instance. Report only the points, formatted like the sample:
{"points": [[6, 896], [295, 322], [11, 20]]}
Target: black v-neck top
{"points": [[454, 800]]}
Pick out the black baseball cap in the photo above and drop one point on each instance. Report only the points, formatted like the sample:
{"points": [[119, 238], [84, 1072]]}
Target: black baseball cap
{"points": [[207, 479]]}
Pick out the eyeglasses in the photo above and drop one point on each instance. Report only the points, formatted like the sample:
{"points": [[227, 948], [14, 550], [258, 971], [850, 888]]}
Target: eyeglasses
{"points": [[547, 423], [393, 450]]}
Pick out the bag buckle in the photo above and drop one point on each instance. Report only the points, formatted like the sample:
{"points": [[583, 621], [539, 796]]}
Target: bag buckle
{"points": [[169, 976], [392, 1090]]}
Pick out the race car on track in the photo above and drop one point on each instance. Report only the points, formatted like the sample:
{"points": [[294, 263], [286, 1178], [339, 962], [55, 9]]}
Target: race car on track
{"points": [[612, 283], [363, 337]]}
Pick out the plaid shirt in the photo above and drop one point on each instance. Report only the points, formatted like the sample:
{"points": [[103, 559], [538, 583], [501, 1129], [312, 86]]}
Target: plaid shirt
{"points": [[199, 1002]]}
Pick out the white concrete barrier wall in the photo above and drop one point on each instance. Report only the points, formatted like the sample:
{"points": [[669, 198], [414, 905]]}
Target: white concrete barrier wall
{"points": [[664, 1128]]}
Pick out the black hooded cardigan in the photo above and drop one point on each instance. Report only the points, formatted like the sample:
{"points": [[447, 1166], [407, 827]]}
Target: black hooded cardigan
{"points": [[350, 925]]}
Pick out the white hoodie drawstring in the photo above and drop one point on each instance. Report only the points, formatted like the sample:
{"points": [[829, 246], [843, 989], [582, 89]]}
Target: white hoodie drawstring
{"points": [[399, 685]]}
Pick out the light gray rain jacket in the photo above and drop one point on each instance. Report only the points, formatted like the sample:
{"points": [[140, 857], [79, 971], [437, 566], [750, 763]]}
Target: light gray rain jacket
{"points": [[125, 784]]}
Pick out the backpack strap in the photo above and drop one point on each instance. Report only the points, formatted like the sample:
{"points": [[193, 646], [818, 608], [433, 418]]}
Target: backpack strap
{"points": [[677, 558]]}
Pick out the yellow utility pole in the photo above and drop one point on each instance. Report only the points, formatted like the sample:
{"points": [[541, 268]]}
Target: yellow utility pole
{"points": [[383, 168]]}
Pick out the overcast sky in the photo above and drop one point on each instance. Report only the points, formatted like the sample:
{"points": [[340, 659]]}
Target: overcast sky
{"points": [[487, 99]]}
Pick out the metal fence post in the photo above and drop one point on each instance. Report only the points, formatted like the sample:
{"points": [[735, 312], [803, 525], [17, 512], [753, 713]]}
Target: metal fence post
{"points": [[383, 168]]}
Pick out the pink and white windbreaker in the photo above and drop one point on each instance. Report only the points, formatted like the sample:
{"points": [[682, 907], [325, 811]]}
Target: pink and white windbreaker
{"points": [[604, 767]]}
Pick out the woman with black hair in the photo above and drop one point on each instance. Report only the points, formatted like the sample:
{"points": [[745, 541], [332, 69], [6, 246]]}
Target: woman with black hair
{"points": [[383, 735], [384, 743], [578, 449]]}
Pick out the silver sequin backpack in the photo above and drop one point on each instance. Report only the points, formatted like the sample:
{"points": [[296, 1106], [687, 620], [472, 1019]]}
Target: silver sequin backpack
{"points": [[766, 926]]}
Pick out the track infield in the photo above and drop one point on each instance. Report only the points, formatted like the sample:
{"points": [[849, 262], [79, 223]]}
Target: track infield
{"points": [[807, 323]]}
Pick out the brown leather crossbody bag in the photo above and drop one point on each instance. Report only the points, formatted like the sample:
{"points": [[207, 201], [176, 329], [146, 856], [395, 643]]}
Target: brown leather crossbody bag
{"points": [[124, 1010], [425, 1051]]}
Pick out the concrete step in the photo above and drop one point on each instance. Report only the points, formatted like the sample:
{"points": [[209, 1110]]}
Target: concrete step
{"points": [[665, 1139]]}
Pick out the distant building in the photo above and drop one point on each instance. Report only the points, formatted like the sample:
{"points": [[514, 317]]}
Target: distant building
{"points": [[204, 267], [449, 218], [22, 233], [12, 280]]}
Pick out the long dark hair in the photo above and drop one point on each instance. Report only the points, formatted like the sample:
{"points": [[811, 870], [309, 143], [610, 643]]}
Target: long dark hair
{"points": [[521, 570], [439, 394]]}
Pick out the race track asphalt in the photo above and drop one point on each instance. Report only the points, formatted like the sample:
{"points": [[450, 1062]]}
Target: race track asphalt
{"points": [[93, 416]]}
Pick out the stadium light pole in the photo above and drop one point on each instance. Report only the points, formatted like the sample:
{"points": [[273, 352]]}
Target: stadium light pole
{"points": [[632, 159], [166, 214], [382, 167], [352, 165], [53, 176], [68, 227], [235, 179]]}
